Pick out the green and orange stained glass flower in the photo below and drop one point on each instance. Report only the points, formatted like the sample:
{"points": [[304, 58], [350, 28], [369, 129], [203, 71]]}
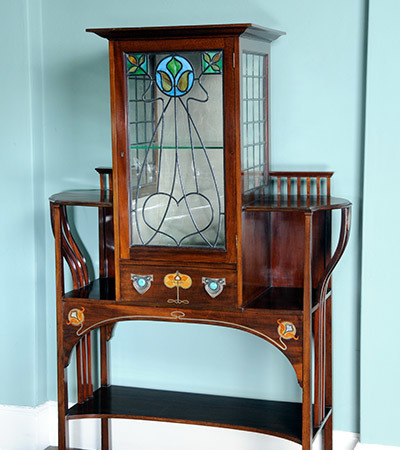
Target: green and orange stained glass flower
{"points": [[136, 64], [212, 62]]}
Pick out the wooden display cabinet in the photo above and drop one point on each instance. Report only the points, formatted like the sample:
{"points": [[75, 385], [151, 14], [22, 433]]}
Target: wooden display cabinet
{"points": [[194, 227]]}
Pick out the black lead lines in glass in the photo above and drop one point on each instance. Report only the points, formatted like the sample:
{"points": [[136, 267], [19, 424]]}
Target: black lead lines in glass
{"points": [[184, 205], [254, 100]]}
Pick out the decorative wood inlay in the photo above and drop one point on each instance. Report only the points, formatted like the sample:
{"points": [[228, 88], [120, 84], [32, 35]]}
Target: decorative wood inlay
{"points": [[181, 316], [178, 280]]}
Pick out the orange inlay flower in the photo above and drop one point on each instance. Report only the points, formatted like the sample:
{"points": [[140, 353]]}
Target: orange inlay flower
{"points": [[287, 330], [76, 316], [177, 280]]}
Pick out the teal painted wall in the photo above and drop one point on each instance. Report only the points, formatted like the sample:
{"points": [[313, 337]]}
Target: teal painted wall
{"points": [[17, 330], [318, 107], [380, 359]]}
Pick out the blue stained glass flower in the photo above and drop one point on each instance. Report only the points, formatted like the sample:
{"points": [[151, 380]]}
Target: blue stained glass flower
{"points": [[174, 76]]}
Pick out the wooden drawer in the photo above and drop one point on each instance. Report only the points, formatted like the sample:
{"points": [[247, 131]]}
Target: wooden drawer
{"points": [[179, 285]]}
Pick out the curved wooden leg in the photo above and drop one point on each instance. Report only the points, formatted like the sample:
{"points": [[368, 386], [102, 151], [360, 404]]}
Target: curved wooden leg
{"points": [[328, 443], [62, 387], [307, 425]]}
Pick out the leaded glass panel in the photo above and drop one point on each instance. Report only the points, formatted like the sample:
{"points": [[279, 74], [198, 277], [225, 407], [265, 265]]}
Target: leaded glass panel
{"points": [[254, 120], [176, 149]]}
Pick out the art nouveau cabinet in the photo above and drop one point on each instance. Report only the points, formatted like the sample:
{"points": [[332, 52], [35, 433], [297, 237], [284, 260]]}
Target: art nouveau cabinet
{"points": [[194, 227]]}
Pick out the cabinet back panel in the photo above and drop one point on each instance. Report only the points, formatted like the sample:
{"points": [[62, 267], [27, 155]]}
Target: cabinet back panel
{"points": [[321, 244], [255, 253], [287, 247]]}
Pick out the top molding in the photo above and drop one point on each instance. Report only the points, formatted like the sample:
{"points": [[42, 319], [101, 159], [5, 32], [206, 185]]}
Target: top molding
{"points": [[193, 31]]}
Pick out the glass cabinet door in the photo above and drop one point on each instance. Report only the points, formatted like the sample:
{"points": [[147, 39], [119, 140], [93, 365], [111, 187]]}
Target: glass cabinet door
{"points": [[176, 149]]}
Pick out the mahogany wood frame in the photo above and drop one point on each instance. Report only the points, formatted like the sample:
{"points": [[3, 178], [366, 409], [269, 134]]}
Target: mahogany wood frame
{"points": [[118, 49], [286, 279]]}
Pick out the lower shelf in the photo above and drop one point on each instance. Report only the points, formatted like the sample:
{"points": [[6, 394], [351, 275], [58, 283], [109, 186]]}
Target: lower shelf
{"points": [[282, 419]]}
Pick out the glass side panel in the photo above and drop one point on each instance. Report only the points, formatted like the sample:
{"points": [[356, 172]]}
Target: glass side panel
{"points": [[176, 149], [254, 121]]}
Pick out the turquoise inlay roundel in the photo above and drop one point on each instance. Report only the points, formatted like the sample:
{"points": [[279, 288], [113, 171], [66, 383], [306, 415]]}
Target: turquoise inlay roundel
{"points": [[213, 286], [141, 282], [174, 76]]}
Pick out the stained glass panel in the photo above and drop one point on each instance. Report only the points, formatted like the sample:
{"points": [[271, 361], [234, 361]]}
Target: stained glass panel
{"points": [[176, 149]]}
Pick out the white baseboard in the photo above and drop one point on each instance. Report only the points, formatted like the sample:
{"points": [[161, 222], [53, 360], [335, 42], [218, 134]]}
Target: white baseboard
{"points": [[345, 440], [375, 447], [23, 428]]}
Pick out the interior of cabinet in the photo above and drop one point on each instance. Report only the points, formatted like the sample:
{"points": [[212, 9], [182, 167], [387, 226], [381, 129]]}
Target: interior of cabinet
{"points": [[276, 245]]}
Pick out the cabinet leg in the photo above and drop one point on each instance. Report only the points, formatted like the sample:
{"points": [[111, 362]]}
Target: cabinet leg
{"points": [[63, 435], [105, 434], [62, 431], [328, 442], [105, 423], [62, 387], [307, 445], [307, 424]]}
